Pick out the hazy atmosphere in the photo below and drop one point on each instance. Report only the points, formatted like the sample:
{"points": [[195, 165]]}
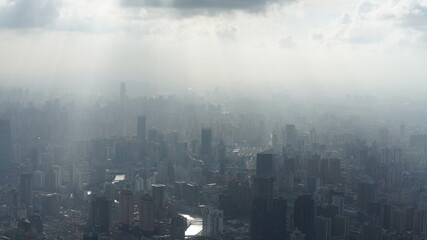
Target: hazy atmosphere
{"points": [[213, 120], [351, 46]]}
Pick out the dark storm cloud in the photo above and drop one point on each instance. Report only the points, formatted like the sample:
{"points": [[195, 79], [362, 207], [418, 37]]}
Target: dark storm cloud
{"points": [[208, 5], [28, 13]]}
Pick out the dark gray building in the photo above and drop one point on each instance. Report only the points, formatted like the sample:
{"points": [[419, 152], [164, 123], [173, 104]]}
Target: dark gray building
{"points": [[141, 127], [206, 148], [5, 143]]}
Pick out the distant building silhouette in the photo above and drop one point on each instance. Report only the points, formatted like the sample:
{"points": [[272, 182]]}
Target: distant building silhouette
{"points": [[141, 127], [269, 223], [146, 215], [304, 212], [290, 136], [264, 164], [366, 194], [263, 181], [340, 226], [100, 215], [5, 144], [26, 189], [263, 187], [125, 208], [268, 217], [159, 198], [206, 147], [222, 157], [323, 228], [35, 159], [50, 181], [122, 91]]}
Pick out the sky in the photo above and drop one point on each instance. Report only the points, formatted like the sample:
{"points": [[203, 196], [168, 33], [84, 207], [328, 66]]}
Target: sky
{"points": [[367, 46]]}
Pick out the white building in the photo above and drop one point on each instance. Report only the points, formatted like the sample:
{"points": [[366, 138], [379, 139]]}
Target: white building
{"points": [[213, 225]]}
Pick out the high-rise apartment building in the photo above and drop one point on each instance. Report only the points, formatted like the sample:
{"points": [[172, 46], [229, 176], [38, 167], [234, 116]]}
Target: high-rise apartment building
{"points": [[304, 213], [146, 215], [206, 147], [159, 198], [100, 216], [141, 127], [26, 189], [125, 208], [5, 143]]}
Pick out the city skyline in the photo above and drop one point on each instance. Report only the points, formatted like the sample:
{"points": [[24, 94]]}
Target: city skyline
{"points": [[213, 120]]}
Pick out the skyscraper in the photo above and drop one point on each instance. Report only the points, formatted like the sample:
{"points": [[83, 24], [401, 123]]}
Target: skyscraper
{"points": [[206, 148], [265, 224], [277, 219], [159, 198], [264, 164], [141, 127], [146, 215], [35, 159], [366, 194], [323, 228], [274, 140], [5, 143], [269, 223], [258, 219], [263, 188], [125, 208], [264, 179], [100, 214], [212, 222], [290, 135], [26, 189], [50, 181], [304, 212], [39, 180], [13, 202], [221, 157]]}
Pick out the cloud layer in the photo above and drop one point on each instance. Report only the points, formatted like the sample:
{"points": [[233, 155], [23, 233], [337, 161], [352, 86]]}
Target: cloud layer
{"points": [[204, 5], [394, 21], [28, 13]]}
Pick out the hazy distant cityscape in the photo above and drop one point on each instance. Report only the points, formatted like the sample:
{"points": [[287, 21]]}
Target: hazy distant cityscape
{"points": [[213, 119], [211, 166]]}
